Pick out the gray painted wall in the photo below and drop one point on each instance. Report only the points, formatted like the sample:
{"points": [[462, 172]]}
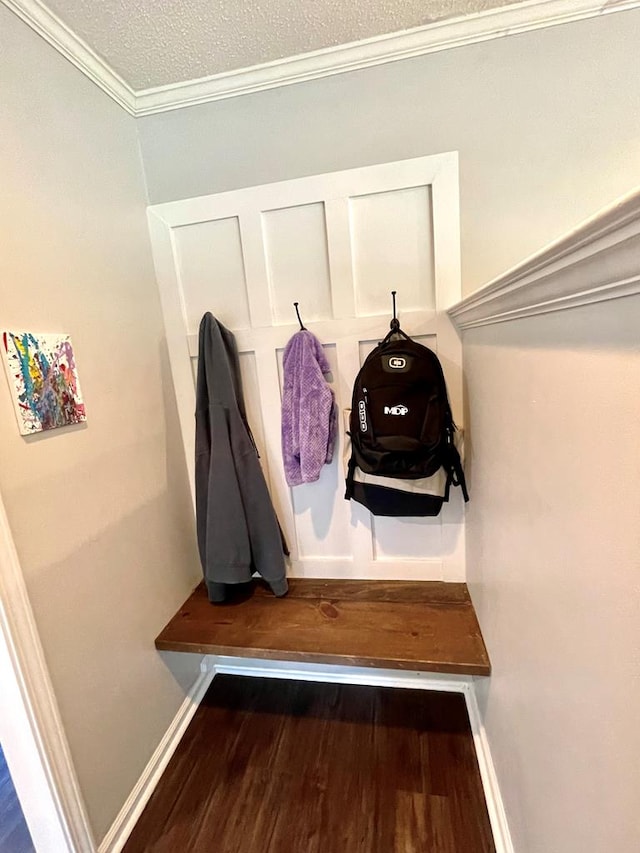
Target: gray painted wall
{"points": [[553, 559], [547, 125], [101, 514]]}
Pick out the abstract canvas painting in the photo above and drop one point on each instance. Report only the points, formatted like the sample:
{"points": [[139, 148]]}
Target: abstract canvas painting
{"points": [[44, 381]]}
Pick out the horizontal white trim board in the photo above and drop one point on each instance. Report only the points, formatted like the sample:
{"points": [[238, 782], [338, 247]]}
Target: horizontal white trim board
{"points": [[338, 673], [129, 814], [596, 262], [365, 328], [430, 38]]}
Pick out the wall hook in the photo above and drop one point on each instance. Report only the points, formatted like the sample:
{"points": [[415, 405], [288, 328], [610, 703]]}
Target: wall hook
{"points": [[395, 323], [302, 328]]}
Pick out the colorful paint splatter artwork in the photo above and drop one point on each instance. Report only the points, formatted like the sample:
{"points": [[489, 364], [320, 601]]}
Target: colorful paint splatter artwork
{"points": [[44, 381]]}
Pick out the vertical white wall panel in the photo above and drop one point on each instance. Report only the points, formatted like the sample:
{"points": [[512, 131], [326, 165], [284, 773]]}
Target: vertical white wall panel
{"points": [[393, 249], [211, 271], [337, 244], [322, 526], [406, 538], [249, 376], [297, 262]]}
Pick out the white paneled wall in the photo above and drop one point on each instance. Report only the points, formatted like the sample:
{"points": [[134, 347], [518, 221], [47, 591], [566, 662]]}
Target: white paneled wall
{"points": [[337, 244], [392, 241]]}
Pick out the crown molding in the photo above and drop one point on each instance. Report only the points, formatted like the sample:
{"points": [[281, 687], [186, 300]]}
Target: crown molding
{"points": [[430, 38], [72, 47], [596, 262]]}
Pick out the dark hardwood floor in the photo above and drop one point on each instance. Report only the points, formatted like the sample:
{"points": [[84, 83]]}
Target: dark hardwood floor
{"points": [[273, 766], [14, 834]]}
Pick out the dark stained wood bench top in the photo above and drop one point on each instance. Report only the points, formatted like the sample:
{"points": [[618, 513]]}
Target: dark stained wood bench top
{"points": [[410, 625]]}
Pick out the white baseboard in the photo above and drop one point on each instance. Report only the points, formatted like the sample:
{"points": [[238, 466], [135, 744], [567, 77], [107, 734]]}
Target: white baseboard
{"points": [[213, 665], [122, 826], [492, 795]]}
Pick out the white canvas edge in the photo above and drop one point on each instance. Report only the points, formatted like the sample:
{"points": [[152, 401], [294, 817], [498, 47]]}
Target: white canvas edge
{"points": [[12, 388]]}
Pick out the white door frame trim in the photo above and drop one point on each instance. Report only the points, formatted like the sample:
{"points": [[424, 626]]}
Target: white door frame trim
{"points": [[31, 730]]}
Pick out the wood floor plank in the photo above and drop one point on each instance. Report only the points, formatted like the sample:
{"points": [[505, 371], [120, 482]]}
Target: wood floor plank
{"points": [[411, 831], [274, 766], [350, 735], [442, 838], [401, 625]]}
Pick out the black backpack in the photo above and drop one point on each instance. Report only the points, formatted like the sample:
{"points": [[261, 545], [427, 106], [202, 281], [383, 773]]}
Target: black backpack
{"points": [[401, 424]]}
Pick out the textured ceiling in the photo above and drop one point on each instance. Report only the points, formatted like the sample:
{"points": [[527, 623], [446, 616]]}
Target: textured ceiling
{"points": [[156, 42]]}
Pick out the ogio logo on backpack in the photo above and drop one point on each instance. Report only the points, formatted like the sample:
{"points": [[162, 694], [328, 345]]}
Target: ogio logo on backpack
{"points": [[398, 362], [362, 412], [396, 410]]}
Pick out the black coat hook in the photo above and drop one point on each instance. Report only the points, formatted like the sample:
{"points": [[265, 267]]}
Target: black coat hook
{"points": [[302, 328], [395, 323]]}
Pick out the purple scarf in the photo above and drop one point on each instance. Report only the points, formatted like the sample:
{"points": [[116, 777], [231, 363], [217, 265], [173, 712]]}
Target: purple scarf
{"points": [[309, 411]]}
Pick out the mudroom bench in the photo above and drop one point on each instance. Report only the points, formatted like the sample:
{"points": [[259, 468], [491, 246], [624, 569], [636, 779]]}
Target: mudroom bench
{"points": [[423, 626]]}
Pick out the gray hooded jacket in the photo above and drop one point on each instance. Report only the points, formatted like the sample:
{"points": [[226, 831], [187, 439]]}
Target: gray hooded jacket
{"points": [[238, 532]]}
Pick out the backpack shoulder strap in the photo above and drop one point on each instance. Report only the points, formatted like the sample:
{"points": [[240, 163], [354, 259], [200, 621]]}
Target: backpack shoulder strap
{"points": [[455, 475], [452, 461], [349, 480]]}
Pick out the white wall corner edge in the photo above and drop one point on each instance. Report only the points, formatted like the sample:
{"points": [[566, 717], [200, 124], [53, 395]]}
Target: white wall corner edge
{"points": [[123, 825], [429, 38], [596, 262]]}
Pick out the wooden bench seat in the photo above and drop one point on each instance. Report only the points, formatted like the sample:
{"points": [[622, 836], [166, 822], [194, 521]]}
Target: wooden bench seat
{"points": [[409, 625]]}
